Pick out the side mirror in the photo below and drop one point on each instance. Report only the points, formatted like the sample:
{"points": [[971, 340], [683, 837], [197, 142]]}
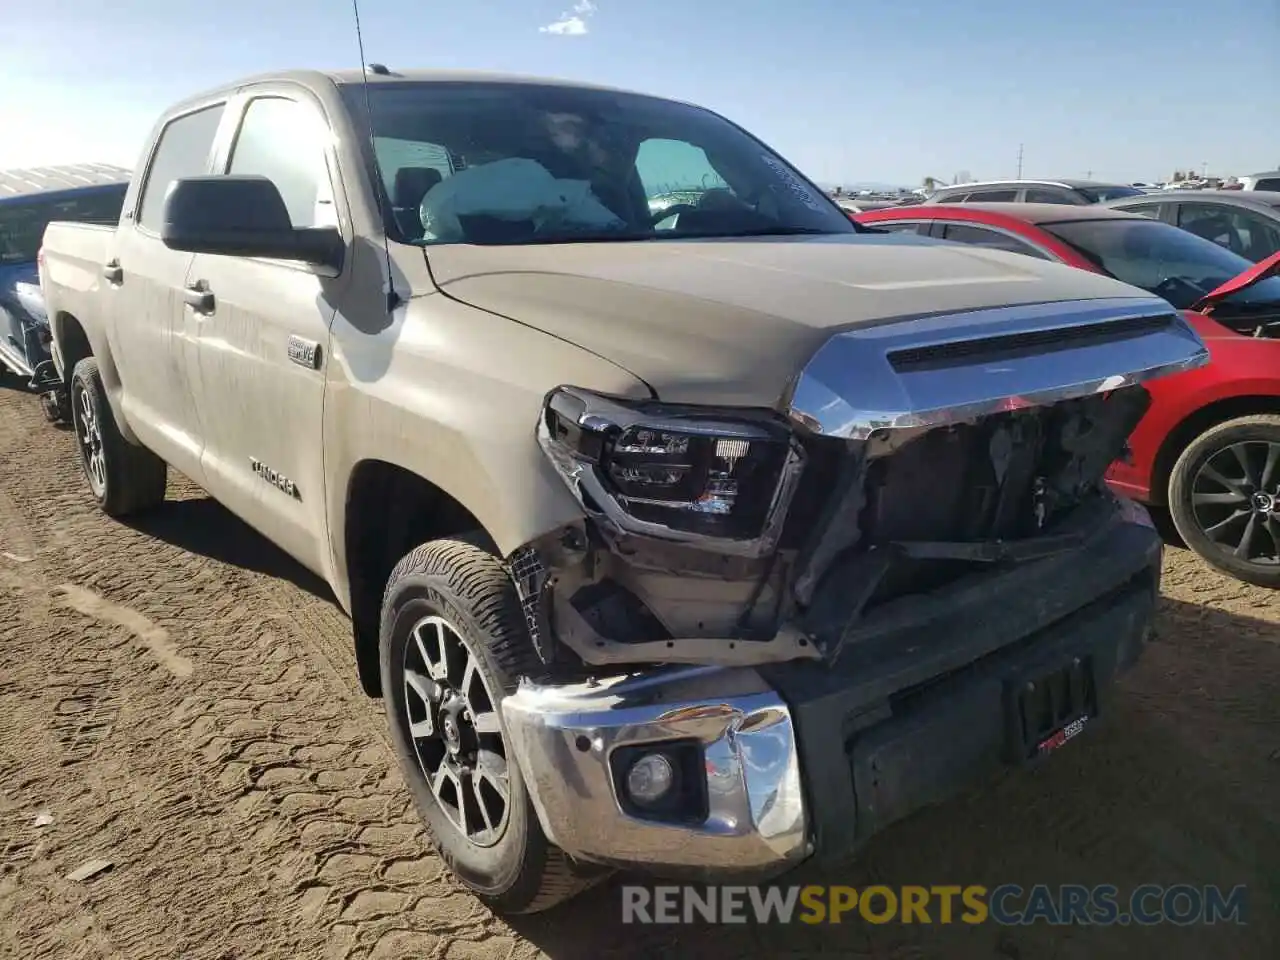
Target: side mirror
{"points": [[242, 216]]}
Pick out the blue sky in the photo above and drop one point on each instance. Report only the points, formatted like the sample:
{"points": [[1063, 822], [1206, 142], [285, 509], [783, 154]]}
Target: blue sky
{"points": [[872, 90]]}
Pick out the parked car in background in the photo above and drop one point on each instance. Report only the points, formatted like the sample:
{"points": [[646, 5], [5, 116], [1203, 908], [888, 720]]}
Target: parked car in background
{"points": [[1247, 223], [1209, 447], [860, 205], [1261, 181], [1076, 192], [29, 200]]}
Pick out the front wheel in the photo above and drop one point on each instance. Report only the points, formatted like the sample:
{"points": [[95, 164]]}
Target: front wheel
{"points": [[453, 644], [1224, 496], [124, 478]]}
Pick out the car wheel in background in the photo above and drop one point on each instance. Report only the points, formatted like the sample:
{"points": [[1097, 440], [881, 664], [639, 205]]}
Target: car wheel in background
{"points": [[453, 643], [1224, 496], [54, 406], [124, 478]]}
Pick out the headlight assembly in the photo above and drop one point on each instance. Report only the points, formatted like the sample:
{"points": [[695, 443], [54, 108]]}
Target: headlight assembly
{"points": [[674, 473]]}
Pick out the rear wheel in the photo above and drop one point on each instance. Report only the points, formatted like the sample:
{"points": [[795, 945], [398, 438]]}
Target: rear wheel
{"points": [[453, 644], [1224, 496], [123, 477]]}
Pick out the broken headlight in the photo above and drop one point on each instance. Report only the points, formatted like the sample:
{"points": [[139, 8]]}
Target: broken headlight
{"points": [[673, 473]]}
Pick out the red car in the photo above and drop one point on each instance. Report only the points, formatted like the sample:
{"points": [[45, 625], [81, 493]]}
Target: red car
{"points": [[1209, 447]]}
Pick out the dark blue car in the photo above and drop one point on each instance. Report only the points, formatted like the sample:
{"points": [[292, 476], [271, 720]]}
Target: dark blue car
{"points": [[29, 199]]}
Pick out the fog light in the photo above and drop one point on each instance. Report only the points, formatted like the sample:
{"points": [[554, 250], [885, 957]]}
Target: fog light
{"points": [[650, 779]]}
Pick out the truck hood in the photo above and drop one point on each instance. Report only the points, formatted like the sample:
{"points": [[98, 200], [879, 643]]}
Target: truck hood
{"points": [[732, 321]]}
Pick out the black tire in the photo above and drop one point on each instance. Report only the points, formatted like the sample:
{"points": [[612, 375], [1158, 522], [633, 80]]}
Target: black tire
{"points": [[520, 871], [124, 478], [1239, 530]]}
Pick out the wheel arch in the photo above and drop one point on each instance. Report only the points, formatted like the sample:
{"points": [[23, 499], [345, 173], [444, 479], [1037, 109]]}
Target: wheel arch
{"points": [[1196, 423], [75, 341], [389, 510]]}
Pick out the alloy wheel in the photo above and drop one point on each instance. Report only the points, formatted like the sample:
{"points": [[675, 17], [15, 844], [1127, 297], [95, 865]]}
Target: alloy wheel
{"points": [[1235, 498], [89, 435], [453, 724]]}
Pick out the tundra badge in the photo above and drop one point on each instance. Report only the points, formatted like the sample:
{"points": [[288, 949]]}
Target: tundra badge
{"points": [[305, 353], [277, 480]]}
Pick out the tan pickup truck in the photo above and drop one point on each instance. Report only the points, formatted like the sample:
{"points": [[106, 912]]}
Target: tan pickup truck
{"points": [[684, 525]]}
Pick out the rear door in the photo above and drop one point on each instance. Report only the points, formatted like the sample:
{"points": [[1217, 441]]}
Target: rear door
{"points": [[153, 338], [264, 334]]}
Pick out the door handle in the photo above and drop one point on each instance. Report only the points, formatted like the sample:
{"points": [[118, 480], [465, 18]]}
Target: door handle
{"points": [[112, 271], [199, 297]]}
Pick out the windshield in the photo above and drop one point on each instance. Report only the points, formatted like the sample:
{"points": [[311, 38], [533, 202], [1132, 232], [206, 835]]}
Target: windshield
{"points": [[1160, 258], [1101, 194], [513, 163], [22, 222]]}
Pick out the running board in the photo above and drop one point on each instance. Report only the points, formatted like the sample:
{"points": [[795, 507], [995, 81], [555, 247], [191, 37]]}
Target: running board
{"points": [[15, 361]]}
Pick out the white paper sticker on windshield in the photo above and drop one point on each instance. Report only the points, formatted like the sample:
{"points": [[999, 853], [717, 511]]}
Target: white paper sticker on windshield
{"points": [[794, 185]]}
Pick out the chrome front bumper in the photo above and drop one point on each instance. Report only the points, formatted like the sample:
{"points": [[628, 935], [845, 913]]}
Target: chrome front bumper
{"points": [[563, 736]]}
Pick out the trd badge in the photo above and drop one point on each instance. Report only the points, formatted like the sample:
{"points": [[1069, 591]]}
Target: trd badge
{"points": [[305, 353], [277, 480]]}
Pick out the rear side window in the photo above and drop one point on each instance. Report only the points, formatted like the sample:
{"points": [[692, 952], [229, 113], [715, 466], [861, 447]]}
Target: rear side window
{"points": [[993, 196], [1044, 195], [1268, 183], [283, 140], [22, 224], [183, 151], [991, 239], [900, 227], [1146, 209], [949, 198]]}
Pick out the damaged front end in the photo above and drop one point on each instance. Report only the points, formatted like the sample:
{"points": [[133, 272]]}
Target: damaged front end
{"points": [[907, 455]]}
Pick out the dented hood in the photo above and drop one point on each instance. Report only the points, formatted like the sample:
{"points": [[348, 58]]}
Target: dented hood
{"points": [[733, 321]]}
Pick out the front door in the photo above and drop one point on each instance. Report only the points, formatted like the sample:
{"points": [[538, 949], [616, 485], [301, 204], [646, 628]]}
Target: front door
{"points": [[143, 283], [264, 338]]}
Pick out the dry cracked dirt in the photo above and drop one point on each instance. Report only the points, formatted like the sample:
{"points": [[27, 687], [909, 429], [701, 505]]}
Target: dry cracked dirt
{"points": [[177, 698]]}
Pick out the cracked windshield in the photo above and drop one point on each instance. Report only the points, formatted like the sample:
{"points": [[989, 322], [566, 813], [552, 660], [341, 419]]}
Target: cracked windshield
{"points": [[585, 479]]}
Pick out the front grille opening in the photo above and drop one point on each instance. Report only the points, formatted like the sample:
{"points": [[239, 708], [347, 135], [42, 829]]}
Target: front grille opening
{"points": [[987, 349]]}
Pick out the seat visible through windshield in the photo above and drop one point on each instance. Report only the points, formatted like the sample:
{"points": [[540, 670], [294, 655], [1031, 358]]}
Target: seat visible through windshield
{"points": [[492, 162]]}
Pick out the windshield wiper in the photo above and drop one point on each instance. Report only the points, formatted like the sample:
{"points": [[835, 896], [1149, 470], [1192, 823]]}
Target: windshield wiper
{"points": [[631, 236], [585, 236], [776, 231]]}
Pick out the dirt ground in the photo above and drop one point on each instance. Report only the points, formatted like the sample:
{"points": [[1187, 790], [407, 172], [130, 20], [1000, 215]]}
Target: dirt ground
{"points": [[180, 699]]}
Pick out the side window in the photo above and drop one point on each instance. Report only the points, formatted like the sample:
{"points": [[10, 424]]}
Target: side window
{"points": [[907, 227], [1240, 231], [1151, 210], [1268, 183], [991, 239], [1045, 195], [1260, 236], [951, 198], [993, 196], [182, 151], [675, 172], [283, 140]]}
